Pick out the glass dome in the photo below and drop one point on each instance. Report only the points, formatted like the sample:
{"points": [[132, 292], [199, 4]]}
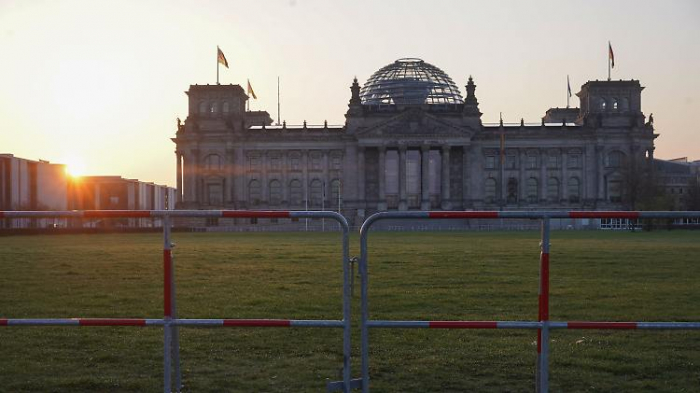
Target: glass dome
{"points": [[410, 82]]}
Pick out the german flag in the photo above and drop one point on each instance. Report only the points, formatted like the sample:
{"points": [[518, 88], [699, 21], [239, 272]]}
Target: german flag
{"points": [[221, 58], [611, 55]]}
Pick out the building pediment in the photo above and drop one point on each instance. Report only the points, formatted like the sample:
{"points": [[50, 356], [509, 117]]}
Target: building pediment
{"points": [[414, 123]]}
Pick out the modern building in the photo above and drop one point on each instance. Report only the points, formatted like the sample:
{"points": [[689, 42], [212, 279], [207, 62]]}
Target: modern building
{"points": [[41, 185], [412, 141]]}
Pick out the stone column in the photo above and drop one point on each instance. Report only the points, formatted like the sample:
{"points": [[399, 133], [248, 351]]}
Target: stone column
{"points": [[361, 175], [265, 189], [284, 168], [445, 189], [326, 179], [425, 177], [564, 192], [305, 177], [600, 172], [403, 203], [239, 178], [178, 194], [465, 178], [382, 178], [543, 176], [522, 182], [230, 187], [196, 183]]}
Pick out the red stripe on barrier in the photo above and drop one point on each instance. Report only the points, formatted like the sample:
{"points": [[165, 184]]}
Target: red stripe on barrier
{"points": [[463, 325], [601, 325], [255, 214], [167, 281], [3, 322], [116, 213], [629, 215], [111, 322], [258, 322], [463, 214], [544, 287]]}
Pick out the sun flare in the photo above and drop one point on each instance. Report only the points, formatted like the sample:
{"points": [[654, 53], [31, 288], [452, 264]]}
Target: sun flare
{"points": [[75, 167]]}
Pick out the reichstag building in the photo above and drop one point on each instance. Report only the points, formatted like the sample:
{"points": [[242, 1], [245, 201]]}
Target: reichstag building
{"points": [[412, 141]]}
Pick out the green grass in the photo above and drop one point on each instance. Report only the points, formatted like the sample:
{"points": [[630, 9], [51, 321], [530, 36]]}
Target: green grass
{"points": [[428, 276]]}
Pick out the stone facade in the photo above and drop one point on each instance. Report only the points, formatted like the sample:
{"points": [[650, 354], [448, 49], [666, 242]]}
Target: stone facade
{"points": [[407, 156]]}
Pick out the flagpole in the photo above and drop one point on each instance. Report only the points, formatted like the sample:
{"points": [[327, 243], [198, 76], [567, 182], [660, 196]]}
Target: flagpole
{"points": [[217, 65], [609, 60], [568, 89]]}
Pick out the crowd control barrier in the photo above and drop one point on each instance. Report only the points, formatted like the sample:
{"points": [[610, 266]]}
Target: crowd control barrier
{"points": [[172, 379], [542, 324]]}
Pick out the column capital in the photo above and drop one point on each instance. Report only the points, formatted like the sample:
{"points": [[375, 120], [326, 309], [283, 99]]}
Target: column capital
{"points": [[381, 148], [424, 148], [402, 147], [446, 148]]}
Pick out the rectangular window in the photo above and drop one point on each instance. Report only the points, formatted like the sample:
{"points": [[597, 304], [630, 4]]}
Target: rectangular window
{"points": [[490, 162], [553, 160], [531, 161], [574, 161], [336, 162], [295, 163], [511, 161]]}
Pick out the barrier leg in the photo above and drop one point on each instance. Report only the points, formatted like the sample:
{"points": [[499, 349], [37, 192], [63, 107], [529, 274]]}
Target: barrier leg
{"points": [[175, 330], [364, 305], [542, 378], [346, 312], [167, 307]]}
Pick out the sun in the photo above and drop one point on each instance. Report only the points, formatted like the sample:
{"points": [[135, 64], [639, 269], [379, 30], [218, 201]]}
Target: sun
{"points": [[75, 167]]}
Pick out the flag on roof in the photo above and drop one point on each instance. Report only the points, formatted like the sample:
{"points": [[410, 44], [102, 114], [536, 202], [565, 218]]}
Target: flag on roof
{"points": [[220, 57], [611, 55], [251, 93]]}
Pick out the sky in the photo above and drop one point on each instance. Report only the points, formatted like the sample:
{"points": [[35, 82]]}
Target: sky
{"points": [[98, 85]]}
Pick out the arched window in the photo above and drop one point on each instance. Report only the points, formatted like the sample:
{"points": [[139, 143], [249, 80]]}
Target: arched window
{"points": [[616, 159], [254, 192], [490, 190], [336, 193], [296, 193], [603, 104], [614, 104], [574, 189], [213, 107], [553, 189], [624, 104], [212, 162], [315, 193], [512, 190], [225, 107], [202, 107], [533, 194], [275, 192]]}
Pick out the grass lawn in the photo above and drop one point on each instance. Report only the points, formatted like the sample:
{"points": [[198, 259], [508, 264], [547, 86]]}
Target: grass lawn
{"points": [[599, 276]]}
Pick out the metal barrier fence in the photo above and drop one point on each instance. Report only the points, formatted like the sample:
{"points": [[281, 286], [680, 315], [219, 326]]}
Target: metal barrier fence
{"points": [[170, 322], [543, 324]]}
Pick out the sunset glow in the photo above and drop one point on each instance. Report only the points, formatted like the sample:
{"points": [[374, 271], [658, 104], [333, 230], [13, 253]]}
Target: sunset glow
{"points": [[106, 82]]}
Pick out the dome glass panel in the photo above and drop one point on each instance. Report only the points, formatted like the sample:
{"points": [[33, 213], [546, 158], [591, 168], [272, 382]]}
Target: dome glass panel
{"points": [[410, 82]]}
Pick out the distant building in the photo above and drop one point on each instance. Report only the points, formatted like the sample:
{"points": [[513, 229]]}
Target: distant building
{"points": [[32, 185], [412, 142], [41, 185]]}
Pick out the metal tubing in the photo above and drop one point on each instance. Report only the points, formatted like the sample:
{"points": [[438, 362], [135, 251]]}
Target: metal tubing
{"points": [[384, 215], [167, 307], [175, 333], [347, 298], [543, 333]]}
